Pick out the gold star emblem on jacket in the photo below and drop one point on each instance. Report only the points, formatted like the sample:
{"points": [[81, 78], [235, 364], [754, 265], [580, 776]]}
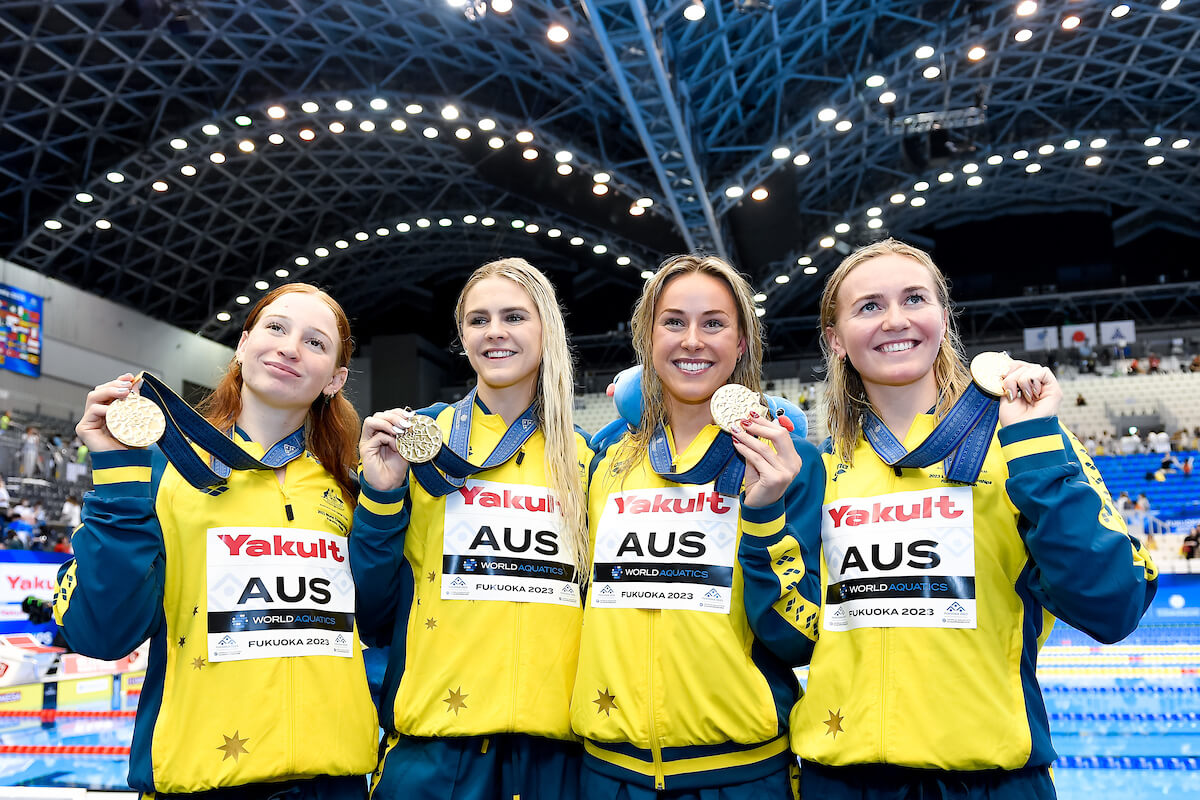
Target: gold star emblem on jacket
{"points": [[456, 701], [234, 747], [430, 623], [605, 702], [834, 723]]}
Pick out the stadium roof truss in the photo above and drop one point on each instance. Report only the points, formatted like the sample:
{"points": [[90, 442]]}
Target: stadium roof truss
{"points": [[143, 159]]}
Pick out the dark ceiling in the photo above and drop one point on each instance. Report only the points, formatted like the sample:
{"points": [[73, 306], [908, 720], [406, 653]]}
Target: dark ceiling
{"points": [[1062, 158]]}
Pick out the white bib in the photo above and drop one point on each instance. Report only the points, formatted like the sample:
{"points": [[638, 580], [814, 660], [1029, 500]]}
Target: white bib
{"points": [[502, 541], [904, 560], [666, 548], [278, 592]]}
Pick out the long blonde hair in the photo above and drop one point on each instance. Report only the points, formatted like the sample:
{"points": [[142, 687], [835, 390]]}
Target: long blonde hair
{"points": [[332, 426], [845, 394], [747, 371], [554, 398]]}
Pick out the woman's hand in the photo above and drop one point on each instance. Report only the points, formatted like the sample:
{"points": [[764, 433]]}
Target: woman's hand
{"points": [[92, 428], [771, 465], [382, 465], [1031, 391]]}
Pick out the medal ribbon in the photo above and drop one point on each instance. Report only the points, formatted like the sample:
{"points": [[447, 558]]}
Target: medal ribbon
{"points": [[185, 426], [719, 464], [961, 440], [449, 469]]}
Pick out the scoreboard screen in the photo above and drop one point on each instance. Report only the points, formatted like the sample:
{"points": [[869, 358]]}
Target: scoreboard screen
{"points": [[20, 331]]}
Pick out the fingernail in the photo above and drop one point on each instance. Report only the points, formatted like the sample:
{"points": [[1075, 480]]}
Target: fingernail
{"points": [[1008, 393], [754, 415], [400, 428]]}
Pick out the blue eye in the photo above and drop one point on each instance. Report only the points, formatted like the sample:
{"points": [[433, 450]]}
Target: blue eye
{"points": [[915, 298], [870, 305]]}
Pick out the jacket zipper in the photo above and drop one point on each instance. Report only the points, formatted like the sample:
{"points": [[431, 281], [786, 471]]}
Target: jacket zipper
{"points": [[291, 675], [512, 721], [660, 782]]}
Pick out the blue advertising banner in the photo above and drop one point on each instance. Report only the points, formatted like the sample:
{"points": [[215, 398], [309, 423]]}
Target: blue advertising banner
{"points": [[20, 331]]}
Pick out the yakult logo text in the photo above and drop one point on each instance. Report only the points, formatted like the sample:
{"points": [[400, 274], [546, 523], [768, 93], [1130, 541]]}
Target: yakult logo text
{"points": [[280, 546], [507, 499], [660, 504], [930, 508]]}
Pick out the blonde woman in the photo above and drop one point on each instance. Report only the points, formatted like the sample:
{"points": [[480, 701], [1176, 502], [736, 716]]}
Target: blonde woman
{"points": [[471, 567], [678, 695], [945, 566]]}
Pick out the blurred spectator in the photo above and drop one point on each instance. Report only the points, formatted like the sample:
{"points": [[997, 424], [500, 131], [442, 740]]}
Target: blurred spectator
{"points": [[5, 500], [70, 512], [62, 543], [1169, 464], [31, 443], [1191, 543], [6, 418], [1186, 467], [1195, 365], [1155, 364], [1080, 400]]}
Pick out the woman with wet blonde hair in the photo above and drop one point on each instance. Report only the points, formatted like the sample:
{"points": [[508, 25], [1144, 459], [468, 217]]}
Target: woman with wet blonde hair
{"points": [[678, 691], [255, 684], [958, 522], [472, 565]]}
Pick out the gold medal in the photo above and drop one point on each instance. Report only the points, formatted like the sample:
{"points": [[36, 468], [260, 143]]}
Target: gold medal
{"points": [[421, 442], [734, 402], [135, 421], [988, 371]]}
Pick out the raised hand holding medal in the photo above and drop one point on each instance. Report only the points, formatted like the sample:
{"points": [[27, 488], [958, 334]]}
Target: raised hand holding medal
{"points": [[1026, 391], [393, 439], [766, 446]]}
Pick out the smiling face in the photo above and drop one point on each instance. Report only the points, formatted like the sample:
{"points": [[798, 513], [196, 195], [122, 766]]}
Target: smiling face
{"points": [[502, 334], [695, 341], [889, 323], [290, 356]]}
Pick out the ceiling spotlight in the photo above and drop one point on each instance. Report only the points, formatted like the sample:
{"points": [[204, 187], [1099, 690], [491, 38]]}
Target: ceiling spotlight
{"points": [[1179, 144], [462, 133], [414, 108], [487, 222], [970, 168], [343, 105], [694, 11], [1169, 5], [246, 146], [1070, 22], [301, 261], [383, 232], [917, 202], [379, 104], [554, 233], [210, 129], [841, 227], [976, 53], [423, 223], [487, 124], [1021, 155], [827, 114], [804, 260], [262, 286], [1092, 161], [53, 225], [565, 169], [115, 177], [103, 224], [223, 316], [470, 219], [1032, 168], [887, 97], [827, 241], [897, 199], [1119, 10], [563, 156], [875, 224], [309, 107], [601, 177], [874, 211], [843, 125], [524, 137], [810, 270], [495, 143], [759, 194], [781, 279], [179, 144], [974, 180], [450, 112], [875, 81], [529, 153], [1153, 141], [599, 249], [216, 158], [647, 274], [281, 273], [924, 51], [341, 244], [430, 132], [366, 126], [1045, 149], [599, 189], [399, 125], [241, 300], [759, 311], [1154, 161], [336, 127], [645, 202], [362, 236], [576, 240], [759, 297], [945, 177], [1026, 7], [84, 197], [1071, 144], [801, 159], [557, 33], [636, 211], [995, 159], [321, 252], [733, 192], [623, 261], [307, 134], [1099, 142], [502, 6], [159, 186], [1023, 35], [780, 153], [920, 186], [275, 138], [931, 72]]}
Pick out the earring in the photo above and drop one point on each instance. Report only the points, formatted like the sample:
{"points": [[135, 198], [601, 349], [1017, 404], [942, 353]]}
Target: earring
{"points": [[328, 397]]}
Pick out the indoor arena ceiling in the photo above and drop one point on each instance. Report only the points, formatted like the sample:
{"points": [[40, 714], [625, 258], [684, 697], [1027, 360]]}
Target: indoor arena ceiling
{"points": [[180, 156]]}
